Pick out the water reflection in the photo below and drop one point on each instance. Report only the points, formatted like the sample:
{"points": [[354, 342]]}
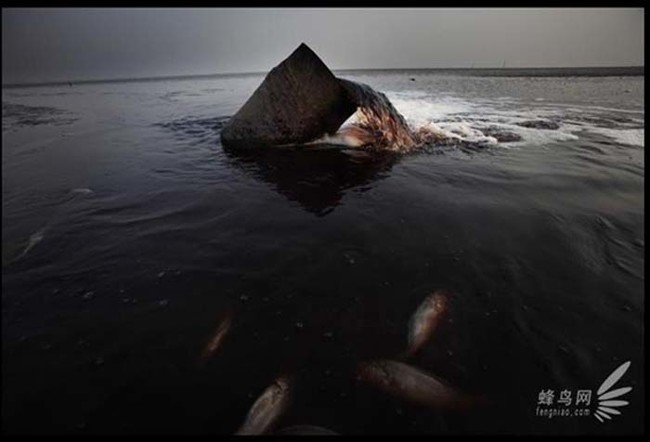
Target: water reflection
{"points": [[315, 177]]}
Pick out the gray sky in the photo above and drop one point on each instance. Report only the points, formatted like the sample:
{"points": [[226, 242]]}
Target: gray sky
{"points": [[61, 44]]}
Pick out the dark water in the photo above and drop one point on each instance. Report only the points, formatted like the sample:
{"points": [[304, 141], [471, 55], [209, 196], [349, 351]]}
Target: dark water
{"points": [[128, 232]]}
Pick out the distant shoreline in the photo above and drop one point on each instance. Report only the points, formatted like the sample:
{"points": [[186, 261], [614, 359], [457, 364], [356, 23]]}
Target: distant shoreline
{"points": [[621, 71]]}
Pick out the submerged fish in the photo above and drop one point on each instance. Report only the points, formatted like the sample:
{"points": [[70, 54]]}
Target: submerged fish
{"points": [[216, 340], [300, 430], [268, 408], [81, 190], [413, 385], [34, 239], [426, 319]]}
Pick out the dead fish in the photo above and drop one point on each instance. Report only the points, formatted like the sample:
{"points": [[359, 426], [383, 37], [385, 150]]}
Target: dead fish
{"points": [[82, 191], [300, 430], [425, 320], [216, 340], [268, 408], [413, 385], [34, 239]]}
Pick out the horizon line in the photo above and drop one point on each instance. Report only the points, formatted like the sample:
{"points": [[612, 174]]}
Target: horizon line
{"points": [[227, 74]]}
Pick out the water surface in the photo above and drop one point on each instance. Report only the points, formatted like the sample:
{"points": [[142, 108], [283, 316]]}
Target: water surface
{"points": [[128, 232]]}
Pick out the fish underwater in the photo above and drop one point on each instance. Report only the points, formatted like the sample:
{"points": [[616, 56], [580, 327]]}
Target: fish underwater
{"points": [[81, 191], [426, 319], [268, 408], [413, 385], [34, 239], [216, 341]]}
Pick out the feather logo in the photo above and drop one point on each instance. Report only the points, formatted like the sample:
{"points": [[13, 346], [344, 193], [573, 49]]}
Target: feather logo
{"points": [[609, 400]]}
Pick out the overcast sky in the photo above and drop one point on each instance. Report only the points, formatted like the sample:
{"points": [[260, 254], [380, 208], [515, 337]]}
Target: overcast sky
{"points": [[63, 44]]}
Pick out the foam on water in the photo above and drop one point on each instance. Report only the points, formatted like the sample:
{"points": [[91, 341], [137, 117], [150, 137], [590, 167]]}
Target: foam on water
{"points": [[459, 131], [455, 119], [340, 138], [421, 109], [634, 137]]}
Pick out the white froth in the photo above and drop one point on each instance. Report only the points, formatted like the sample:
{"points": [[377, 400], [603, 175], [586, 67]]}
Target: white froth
{"points": [[460, 131], [338, 139], [542, 136], [423, 109], [633, 137], [455, 118]]}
